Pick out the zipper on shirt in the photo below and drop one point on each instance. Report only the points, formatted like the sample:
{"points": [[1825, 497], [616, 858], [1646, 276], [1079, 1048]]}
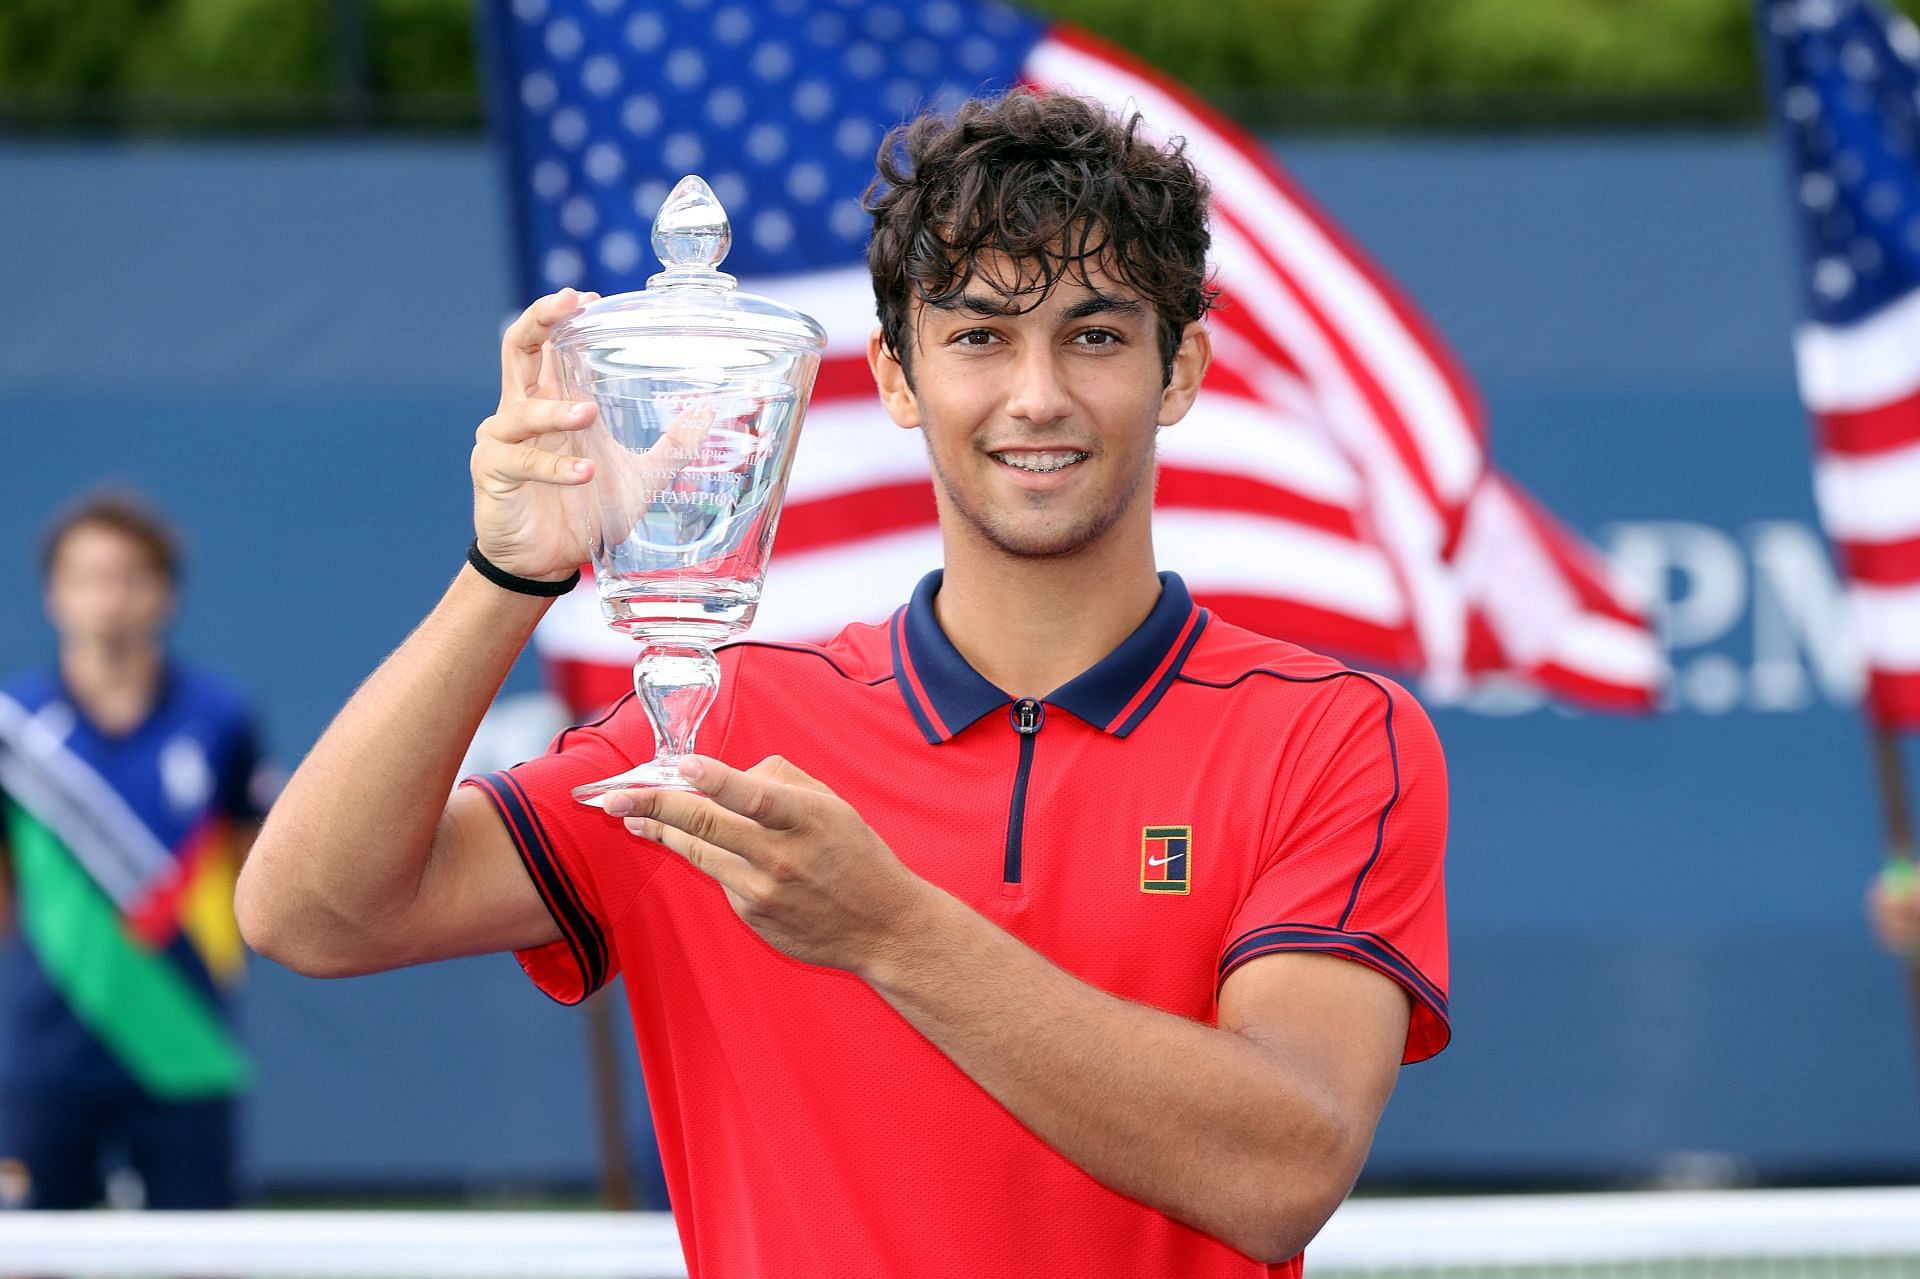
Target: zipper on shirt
{"points": [[1027, 715]]}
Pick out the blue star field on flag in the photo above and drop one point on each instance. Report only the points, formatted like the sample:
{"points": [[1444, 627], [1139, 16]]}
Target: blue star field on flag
{"points": [[780, 104], [1847, 91]]}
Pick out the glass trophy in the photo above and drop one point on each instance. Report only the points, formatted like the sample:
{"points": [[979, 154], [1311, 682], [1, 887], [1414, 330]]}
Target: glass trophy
{"points": [[701, 389]]}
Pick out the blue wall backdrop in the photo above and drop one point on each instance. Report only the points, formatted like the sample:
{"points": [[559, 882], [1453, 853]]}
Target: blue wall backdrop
{"points": [[1659, 951]]}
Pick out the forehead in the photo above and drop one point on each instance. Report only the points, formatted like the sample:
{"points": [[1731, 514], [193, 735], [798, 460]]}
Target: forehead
{"points": [[1008, 285], [97, 544]]}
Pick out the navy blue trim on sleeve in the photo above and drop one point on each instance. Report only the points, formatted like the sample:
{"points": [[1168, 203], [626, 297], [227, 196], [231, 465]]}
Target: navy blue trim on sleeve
{"points": [[577, 927], [1369, 949]]}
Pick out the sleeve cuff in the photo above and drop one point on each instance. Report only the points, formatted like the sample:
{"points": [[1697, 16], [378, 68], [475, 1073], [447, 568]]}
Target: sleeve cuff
{"points": [[1429, 1029], [578, 964]]}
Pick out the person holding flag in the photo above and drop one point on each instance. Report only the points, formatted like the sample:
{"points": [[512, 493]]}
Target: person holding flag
{"points": [[1056, 925], [131, 786]]}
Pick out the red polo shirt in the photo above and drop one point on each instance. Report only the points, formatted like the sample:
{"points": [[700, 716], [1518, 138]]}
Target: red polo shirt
{"points": [[1201, 797]]}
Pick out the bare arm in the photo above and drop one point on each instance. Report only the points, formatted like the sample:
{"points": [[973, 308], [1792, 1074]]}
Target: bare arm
{"points": [[365, 863], [1251, 1131]]}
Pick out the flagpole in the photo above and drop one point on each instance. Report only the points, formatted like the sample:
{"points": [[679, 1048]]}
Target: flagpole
{"points": [[1896, 810], [603, 1063]]}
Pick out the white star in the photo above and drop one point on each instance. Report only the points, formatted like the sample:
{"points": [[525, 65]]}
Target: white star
{"points": [[537, 91], [604, 163], [562, 267], [646, 31], [569, 127], [766, 142], [684, 152], [564, 38], [640, 114], [579, 217], [619, 252], [600, 74], [726, 107], [773, 230], [771, 61], [549, 179], [732, 25], [1832, 278], [685, 68]]}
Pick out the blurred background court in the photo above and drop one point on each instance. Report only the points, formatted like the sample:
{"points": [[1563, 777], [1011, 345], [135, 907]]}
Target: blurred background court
{"points": [[256, 257]]}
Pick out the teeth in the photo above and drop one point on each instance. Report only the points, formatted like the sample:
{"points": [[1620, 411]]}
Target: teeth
{"points": [[1040, 463]]}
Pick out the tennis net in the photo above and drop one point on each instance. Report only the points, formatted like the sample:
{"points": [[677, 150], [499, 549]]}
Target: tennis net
{"points": [[1760, 1234]]}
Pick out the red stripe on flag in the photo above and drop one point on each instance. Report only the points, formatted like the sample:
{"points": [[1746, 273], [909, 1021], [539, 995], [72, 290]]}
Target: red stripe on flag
{"points": [[859, 513], [845, 377], [1893, 698], [1322, 630], [1384, 411], [1212, 491], [1882, 563], [587, 687], [1880, 429], [1584, 690], [1231, 134], [1579, 567]]}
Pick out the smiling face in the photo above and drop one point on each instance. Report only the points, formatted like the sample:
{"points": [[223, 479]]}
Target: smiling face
{"points": [[1040, 419]]}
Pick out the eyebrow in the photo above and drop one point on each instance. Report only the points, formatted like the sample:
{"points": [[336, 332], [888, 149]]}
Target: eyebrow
{"points": [[1098, 304]]}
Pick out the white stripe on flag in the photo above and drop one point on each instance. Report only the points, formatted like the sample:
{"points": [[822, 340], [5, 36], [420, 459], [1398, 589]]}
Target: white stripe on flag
{"points": [[810, 595], [1864, 365], [840, 301], [1434, 417], [1230, 553], [1610, 651], [1238, 437], [1887, 623], [1870, 499]]}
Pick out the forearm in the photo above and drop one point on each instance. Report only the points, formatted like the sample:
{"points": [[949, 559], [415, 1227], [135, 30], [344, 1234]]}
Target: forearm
{"points": [[341, 856], [1201, 1123]]}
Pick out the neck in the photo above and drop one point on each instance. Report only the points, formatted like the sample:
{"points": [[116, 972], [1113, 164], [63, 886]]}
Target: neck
{"points": [[114, 684], [1029, 625]]}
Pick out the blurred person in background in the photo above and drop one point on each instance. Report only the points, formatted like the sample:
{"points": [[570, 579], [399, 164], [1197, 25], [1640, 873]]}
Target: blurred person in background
{"points": [[130, 789]]}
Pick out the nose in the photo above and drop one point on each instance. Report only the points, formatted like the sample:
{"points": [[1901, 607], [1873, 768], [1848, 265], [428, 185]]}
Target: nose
{"points": [[1039, 394]]}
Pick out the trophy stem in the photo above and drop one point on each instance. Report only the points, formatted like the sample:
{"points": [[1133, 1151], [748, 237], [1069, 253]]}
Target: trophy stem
{"points": [[677, 681]]}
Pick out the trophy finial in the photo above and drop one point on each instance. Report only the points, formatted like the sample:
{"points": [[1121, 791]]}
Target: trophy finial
{"points": [[691, 231]]}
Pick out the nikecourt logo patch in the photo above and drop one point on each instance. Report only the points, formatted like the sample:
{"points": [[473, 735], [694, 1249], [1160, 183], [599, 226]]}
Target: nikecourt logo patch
{"points": [[1166, 856]]}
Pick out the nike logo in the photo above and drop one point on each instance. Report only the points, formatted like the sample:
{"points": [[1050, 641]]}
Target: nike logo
{"points": [[1161, 861]]}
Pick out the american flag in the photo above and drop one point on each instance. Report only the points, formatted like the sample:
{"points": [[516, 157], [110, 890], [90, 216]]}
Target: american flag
{"points": [[1331, 486], [1846, 91]]}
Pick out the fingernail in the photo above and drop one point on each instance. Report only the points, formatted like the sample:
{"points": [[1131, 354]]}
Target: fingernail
{"points": [[578, 468], [693, 768], [579, 412], [619, 803]]}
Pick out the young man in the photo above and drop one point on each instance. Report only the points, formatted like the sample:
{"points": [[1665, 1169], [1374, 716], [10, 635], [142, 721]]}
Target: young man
{"points": [[1017, 935], [127, 796]]}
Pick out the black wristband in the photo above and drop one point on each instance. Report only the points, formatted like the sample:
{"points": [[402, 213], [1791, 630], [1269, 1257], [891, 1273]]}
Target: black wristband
{"points": [[519, 585]]}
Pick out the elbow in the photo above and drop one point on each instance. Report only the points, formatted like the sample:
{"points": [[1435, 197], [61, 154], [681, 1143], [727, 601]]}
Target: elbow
{"points": [[275, 927], [1301, 1194]]}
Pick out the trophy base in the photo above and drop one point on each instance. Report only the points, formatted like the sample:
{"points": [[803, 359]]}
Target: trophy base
{"points": [[653, 775]]}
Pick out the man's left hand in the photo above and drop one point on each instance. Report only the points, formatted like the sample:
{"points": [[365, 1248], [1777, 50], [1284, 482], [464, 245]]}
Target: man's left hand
{"points": [[798, 864]]}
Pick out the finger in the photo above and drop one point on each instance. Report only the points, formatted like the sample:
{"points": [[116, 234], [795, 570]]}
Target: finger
{"points": [[700, 818], [526, 338], [783, 770], [524, 420], [499, 465], [734, 872], [760, 799]]}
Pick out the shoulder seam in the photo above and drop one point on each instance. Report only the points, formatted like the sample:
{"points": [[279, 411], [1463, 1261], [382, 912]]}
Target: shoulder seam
{"points": [[811, 651], [1393, 755]]}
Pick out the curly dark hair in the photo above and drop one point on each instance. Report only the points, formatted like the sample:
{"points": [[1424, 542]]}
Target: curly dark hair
{"points": [[1057, 185]]}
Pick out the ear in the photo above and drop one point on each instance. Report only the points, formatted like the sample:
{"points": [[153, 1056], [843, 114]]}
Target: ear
{"points": [[896, 393], [1190, 361]]}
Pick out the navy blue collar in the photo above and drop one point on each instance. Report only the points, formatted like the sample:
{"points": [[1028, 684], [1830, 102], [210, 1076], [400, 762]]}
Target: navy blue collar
{"points": [[944, 694]]}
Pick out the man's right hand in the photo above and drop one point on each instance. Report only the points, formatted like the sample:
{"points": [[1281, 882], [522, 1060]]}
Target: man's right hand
{"points": [[529, 508]]}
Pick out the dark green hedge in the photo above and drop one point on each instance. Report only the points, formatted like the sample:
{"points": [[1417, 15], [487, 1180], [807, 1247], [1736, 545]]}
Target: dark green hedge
{"points": [[235, 62]]}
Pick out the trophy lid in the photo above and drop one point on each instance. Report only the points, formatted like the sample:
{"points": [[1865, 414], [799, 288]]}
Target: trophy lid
{"points": [[692, 297]]}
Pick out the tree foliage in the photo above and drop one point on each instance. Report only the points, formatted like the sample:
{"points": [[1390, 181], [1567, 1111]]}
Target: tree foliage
{"points": [[404, 61]]}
